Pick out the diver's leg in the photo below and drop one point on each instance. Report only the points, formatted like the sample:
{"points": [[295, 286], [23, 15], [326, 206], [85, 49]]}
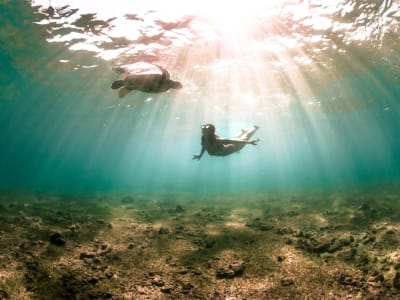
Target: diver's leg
{"points": [[249, 133], [240, 134]]}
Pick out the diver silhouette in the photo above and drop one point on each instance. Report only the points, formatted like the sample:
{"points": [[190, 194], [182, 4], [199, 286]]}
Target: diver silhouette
{"points": [[217, 146]]}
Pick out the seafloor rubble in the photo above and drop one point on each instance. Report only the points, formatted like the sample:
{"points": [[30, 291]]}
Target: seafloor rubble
{"points": [[336, 245]]}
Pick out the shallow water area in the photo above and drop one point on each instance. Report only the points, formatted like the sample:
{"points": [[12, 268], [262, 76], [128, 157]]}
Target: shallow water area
{"points": [[91, 182]]}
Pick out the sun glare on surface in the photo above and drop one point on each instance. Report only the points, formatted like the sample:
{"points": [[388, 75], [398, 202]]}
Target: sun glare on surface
{"points": [[231, 17], [230, 49]]}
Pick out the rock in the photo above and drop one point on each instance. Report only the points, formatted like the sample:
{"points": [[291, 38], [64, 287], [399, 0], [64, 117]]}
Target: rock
{"points": [[225, 272], [93, 280], [186, 287], [57, 239], [346, 239], [232, 270], [74, 227], [343, 241], [347, 279], [258, 224], [288, 241], [96, 261], [109, 274], [299, 234], [283, 231], [100, 295], [104, 249], [157, 281], [390, 232], [183, 271], [321, 246], [313, 246], [196, 272], [163, 230], [179, 209], [287, 282], [368, 238], [84, 255], [166, 289]]}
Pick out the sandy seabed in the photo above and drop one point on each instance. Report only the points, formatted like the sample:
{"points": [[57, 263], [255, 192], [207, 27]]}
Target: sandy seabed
{"points": [[337, 245]]}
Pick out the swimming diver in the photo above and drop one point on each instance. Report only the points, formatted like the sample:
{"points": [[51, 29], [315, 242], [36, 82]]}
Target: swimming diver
{"points": [[218, 146]]}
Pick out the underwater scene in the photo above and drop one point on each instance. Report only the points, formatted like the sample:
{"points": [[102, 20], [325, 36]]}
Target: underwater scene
{"points": [[200, 149]]}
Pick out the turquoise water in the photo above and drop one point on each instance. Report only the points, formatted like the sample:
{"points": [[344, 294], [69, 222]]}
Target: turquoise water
{"points": [[321, 80]]}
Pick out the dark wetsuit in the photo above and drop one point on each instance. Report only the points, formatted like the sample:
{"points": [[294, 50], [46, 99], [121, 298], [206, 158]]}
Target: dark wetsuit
{"points": [[217, 147]]}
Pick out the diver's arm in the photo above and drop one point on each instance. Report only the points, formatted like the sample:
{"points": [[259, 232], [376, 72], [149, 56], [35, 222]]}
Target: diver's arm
{"points": [[198, 156]]}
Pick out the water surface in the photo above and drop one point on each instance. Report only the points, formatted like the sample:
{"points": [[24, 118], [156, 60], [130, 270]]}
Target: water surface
{"points": [[321, 79]]}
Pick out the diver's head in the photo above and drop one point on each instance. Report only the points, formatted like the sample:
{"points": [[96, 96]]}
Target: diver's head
{"points": [[208, 129]]}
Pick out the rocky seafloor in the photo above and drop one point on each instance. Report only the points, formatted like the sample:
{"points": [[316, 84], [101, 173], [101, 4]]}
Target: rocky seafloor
{"points": [[320, 245]]}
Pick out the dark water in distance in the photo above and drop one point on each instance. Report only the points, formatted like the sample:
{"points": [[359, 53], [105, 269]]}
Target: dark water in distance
{"points": [[321, 80]]}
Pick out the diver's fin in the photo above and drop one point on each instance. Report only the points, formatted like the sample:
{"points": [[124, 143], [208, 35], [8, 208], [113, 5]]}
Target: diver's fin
{"points": [[123, 92]]}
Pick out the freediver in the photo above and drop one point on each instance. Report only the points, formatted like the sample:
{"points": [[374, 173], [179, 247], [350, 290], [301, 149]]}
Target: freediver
{"points": [[217, 146]]}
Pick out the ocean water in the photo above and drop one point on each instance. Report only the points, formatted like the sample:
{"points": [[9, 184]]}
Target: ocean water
{"points": [[320, 78]]}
